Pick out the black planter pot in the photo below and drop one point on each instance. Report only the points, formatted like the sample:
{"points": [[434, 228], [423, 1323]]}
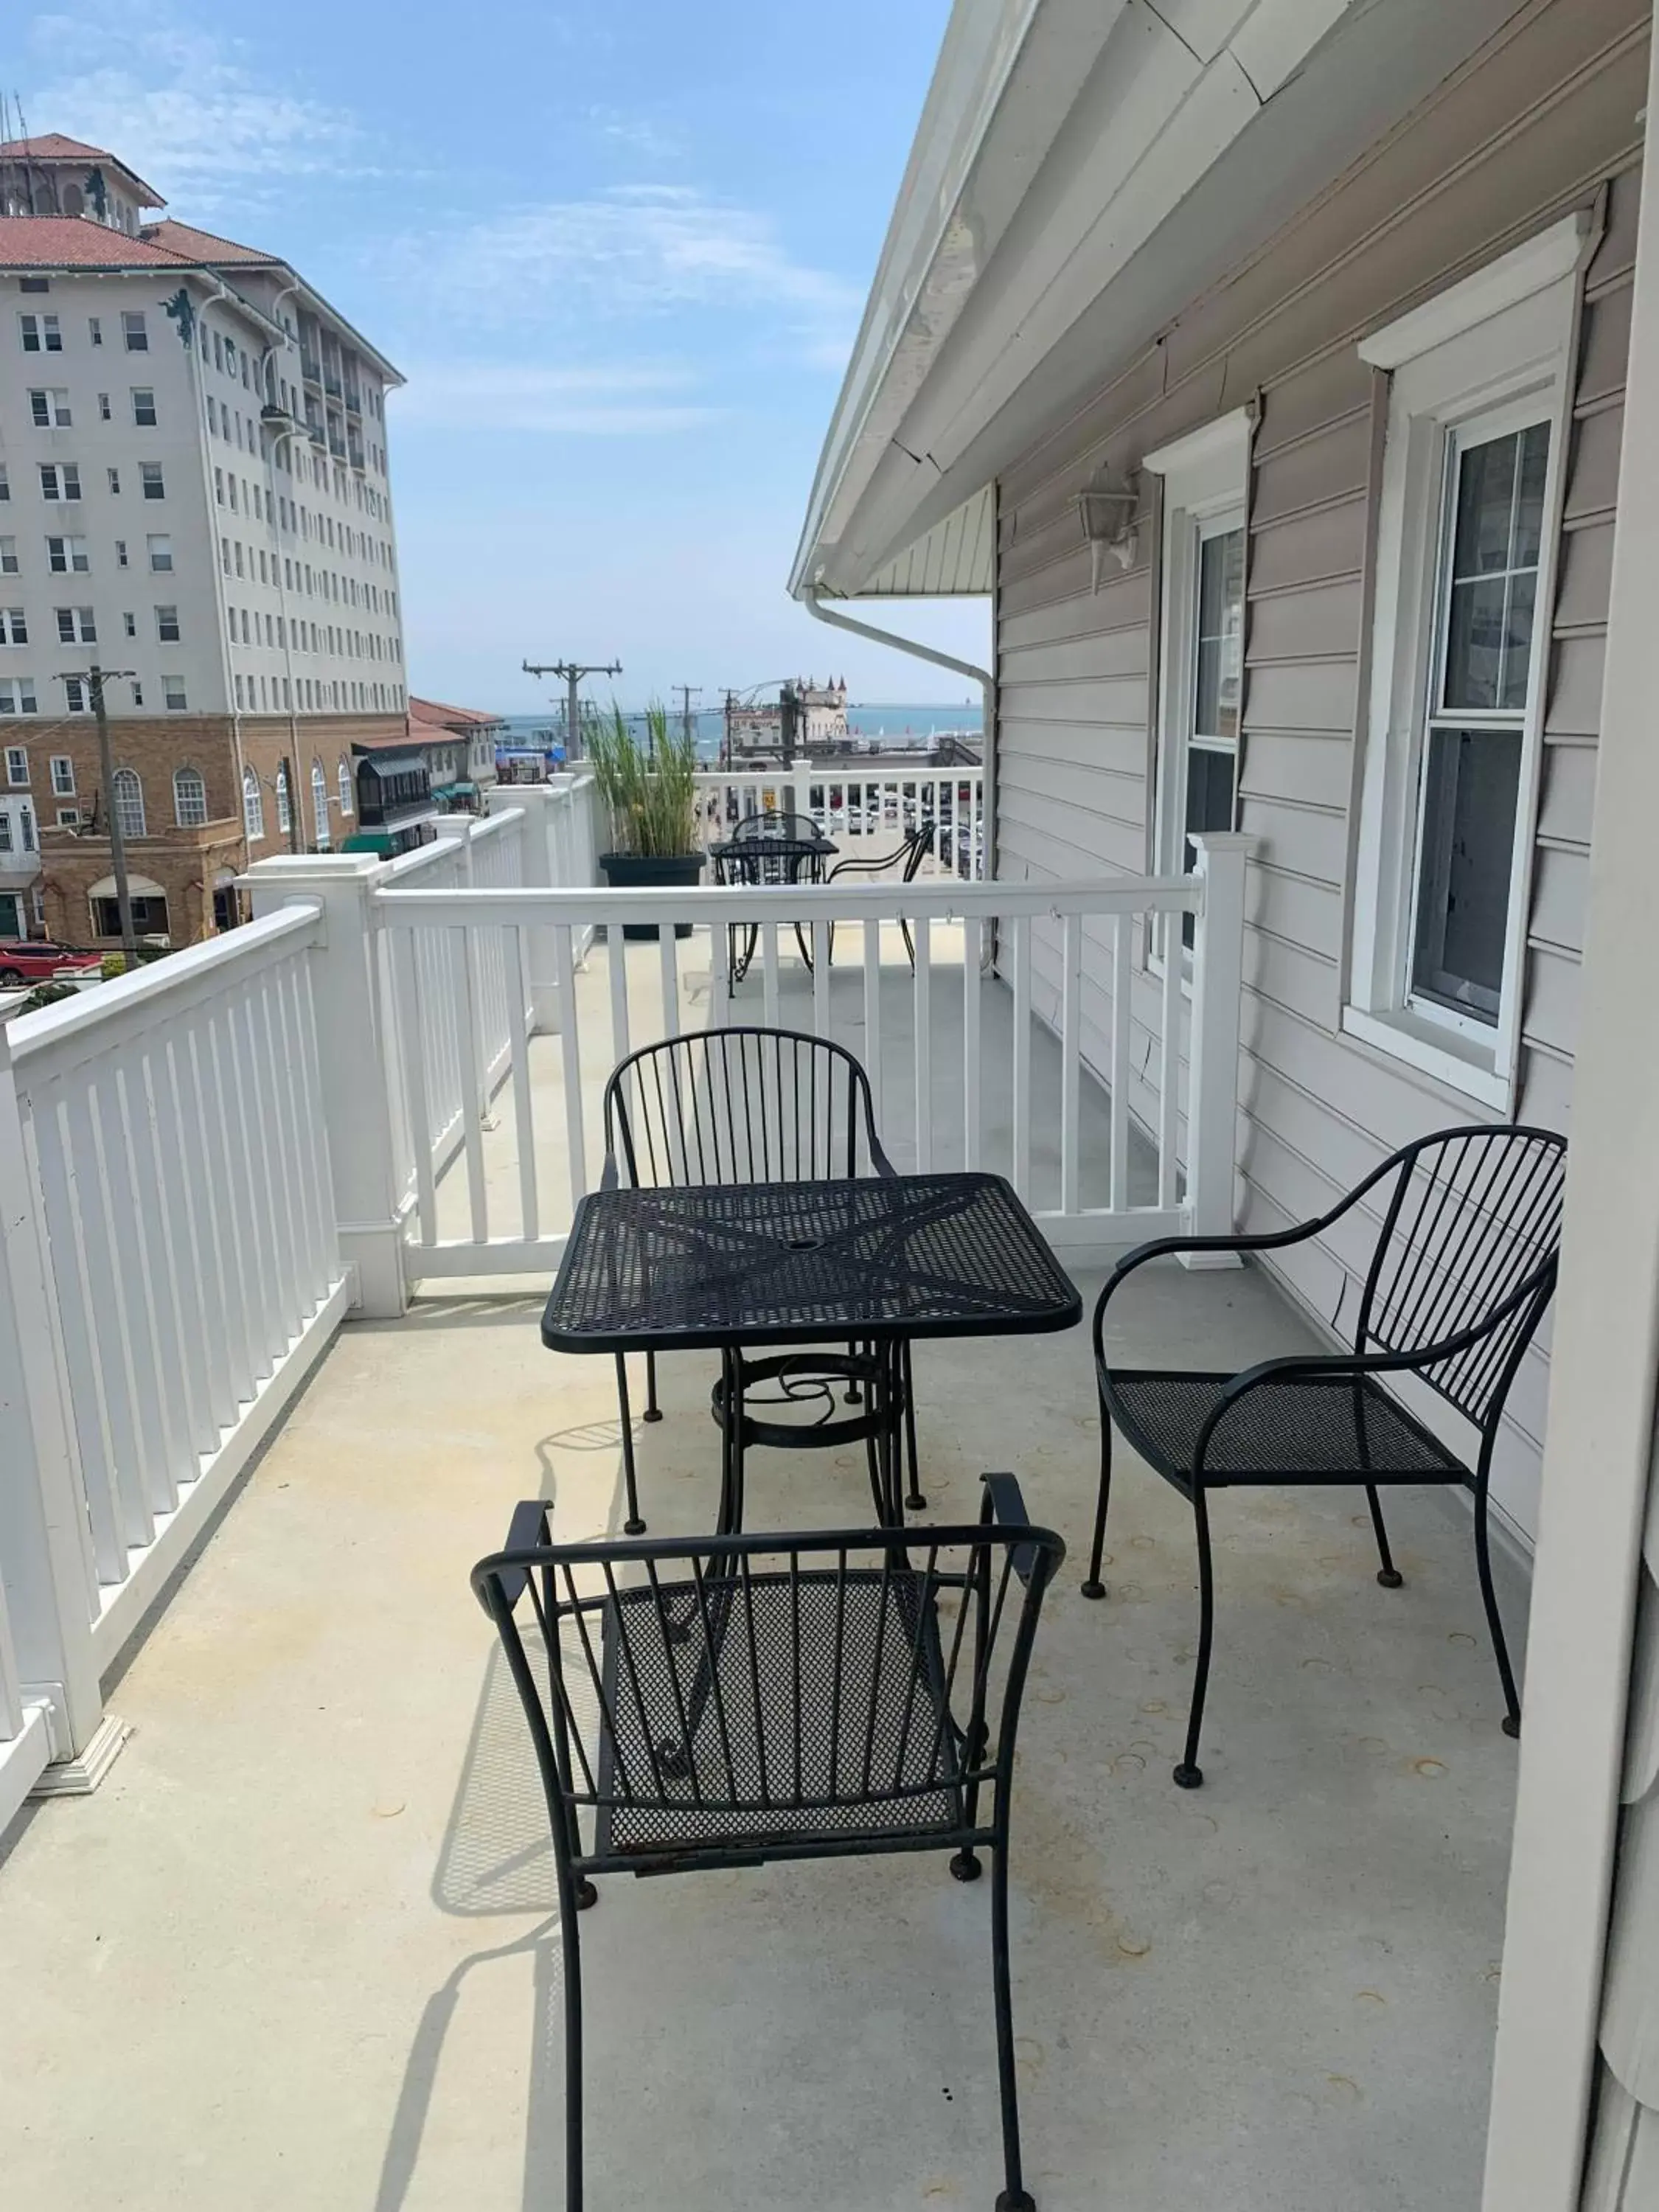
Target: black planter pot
{"points": [[652, 871]]}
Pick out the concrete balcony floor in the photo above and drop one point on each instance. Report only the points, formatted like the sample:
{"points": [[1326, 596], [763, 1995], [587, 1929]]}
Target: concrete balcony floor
{"points": [[300, 1950]]}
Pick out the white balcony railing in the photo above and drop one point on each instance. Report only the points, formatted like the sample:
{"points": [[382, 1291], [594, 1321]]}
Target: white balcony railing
{"points": [[393, 1074], [866, 811]]}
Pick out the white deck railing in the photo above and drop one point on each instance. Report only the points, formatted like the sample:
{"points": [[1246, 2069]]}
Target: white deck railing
{"points": [[866, 811], [173, 1271]]}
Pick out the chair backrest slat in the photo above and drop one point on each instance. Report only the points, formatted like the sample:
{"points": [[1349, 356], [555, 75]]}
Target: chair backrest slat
{"points": [[743, 1104], [1465, 1255]]}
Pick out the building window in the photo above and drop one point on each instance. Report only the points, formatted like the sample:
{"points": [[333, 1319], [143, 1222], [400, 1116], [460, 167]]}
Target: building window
{"points": [[13, 626], [346, 785], [40, 334], [134, 335], [115, 482], [103, 407], [319, 803], [149, 474], [159, 547], [173, 694], [120, 552], [167, 625], [143, 407], [50, 409], [76, 626], [63, 776], [60, 480], [150, 916], [189, 798], [17, 695], [96, 330], [9, 563], [1202, 637], [6, 483], [284, 812], [78, 694], [137, 693], [127, 796], [17, 764], [1465, 560], [129, 625], [68, 556], [253, 807]]}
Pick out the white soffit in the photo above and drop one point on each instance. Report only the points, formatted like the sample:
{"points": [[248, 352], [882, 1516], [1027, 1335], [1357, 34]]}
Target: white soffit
{"points": [[955, 559]]}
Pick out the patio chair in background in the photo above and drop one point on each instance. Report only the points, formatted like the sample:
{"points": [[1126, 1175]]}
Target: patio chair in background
{"points": [[1459, 1274], [743, 1104], [913, 851], [723, 1701]]}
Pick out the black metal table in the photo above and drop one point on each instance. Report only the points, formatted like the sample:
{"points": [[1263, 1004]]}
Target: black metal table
{"points": [[872, 1262], [764, 861]]}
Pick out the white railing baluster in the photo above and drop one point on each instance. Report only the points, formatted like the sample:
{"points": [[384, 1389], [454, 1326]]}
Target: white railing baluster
{"points": [[1122, 988], [923, 1002], [524, 1116], [615, 963], [973, 982], [570, 1052], [1020, 928], [108, 1315], [768, 948], [252, 1200], [175, 1351], [668, 966], [462, 975], [871, 932], [820, 941], [405, 966], [205, 1123], [1071, 1061], [183, 1190], [720, 980]]}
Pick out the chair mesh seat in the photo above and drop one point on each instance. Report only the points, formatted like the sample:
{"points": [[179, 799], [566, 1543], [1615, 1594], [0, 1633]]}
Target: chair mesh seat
{"points": [[1309, 1428], [767, 1728]]}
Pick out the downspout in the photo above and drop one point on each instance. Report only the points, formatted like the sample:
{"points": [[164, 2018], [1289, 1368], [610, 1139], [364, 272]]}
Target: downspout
{"points": [[988, 683]]}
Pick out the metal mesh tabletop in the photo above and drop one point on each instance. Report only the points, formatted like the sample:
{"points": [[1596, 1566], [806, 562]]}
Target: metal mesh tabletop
{"points": [[744, 852], [885, 1256]]}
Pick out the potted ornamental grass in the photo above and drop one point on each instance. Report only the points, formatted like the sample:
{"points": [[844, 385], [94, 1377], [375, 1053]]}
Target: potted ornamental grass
{"points": [[649, 790]]}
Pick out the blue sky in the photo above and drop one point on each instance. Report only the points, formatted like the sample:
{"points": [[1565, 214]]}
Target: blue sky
{"points": [[619, 247]]}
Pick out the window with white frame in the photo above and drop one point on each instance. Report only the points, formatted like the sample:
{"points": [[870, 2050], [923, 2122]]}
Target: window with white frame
{"points": [[167, 625], [40, 334], [173, 694], [13, 626], [320, 803], [17, 695], [63, 776], [189, 798], [151, 477], [17, 764], [50, 409], [68, 556], [60, 480], [78, 693], [159, 546], [284, 812], [1202, 636], [1466, 540], [143, 407], [345, 786], [77, 626], [9, 564], [253, 807], [128, 795], [134, 335]]}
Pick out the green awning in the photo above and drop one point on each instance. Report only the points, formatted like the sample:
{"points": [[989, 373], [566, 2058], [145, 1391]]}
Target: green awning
{"points": [[377, 842]]}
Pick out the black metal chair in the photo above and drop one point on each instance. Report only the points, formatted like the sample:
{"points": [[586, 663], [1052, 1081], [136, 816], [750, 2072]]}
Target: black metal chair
{"points": [[774, 851], [913, 851], [1462, 1271], [743, 1104], [782, 829], [717, 1702]]}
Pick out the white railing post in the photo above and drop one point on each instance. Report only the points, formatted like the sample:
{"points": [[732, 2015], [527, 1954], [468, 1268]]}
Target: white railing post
{"points": [[46, 1561], [539, 859], [355, 1057], [1212, 1079]]}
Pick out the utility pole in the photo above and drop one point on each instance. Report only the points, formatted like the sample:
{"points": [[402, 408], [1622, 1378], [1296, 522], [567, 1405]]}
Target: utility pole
{"points": [[688, 692], [96, 678], [572, 673]]}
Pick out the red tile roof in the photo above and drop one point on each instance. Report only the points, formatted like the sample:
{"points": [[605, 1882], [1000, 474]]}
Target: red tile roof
{"points": [[435, 711], [69, 241], [52, 146], [203, 245]]}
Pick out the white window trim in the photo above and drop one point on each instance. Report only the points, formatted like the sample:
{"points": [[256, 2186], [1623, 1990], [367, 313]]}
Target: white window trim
{"points": [[1205, 493], [1500, 337]]}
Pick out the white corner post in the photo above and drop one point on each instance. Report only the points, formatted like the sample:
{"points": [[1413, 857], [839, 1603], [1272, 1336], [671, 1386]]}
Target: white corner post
{"points": [[354, 1058], [1212, 1057], [1599, 1437], [51, 1701], [543, 865]]}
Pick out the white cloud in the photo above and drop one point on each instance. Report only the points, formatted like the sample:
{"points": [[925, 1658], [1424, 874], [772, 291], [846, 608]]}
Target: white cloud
{"points": [[182, 109], [605, 400], [633, 250], [638, 134]]}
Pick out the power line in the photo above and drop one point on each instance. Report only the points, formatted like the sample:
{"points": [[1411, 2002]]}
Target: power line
{"points": [[571, 673]]}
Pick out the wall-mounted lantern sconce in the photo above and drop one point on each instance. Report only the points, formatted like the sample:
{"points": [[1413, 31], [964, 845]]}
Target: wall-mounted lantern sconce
{"points": [[1107, 517]]}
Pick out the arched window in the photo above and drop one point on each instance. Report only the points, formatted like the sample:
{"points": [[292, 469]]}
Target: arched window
{"points": [[253, 807], [189, 798], [284, 814], [129, 796], [345, 786], [319, 802]]}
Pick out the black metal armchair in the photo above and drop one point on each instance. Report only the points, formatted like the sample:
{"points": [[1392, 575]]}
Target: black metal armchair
{"points": [[1462, 1271], [721, 1702], [736, 1105], [913, 851]]}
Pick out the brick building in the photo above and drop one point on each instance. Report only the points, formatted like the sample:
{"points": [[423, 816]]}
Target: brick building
{"points": [[195, 497]]}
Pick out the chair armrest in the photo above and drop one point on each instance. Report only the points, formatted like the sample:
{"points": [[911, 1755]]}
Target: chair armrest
{"points": [[1006, 1506], [527, 1531]]}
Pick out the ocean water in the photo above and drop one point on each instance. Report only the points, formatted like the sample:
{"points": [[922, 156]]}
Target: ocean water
{"points": [[902, 725]]}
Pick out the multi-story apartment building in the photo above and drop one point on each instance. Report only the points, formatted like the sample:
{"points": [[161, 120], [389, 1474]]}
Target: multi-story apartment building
{"points": [[193, 493]]}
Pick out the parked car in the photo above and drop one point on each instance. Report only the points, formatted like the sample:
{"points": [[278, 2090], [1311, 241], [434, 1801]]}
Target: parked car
{"points": [[36, 960]]}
